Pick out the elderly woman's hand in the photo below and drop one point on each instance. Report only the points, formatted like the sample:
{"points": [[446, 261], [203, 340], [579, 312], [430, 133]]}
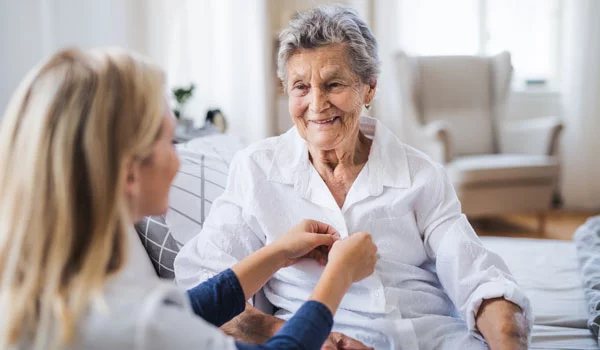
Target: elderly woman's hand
{"points": [[339, 341], [309, 239], [502, 324]]}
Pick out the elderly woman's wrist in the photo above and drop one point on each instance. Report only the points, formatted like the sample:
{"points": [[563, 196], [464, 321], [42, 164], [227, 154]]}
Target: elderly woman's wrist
{"points": [[506, 340], [502, 322]]}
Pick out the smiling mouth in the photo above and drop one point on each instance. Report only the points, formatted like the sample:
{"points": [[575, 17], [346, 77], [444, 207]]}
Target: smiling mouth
{"points": [[325, 121]]}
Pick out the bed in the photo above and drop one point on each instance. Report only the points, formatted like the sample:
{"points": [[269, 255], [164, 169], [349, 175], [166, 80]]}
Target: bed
{"points": [[547, 270]]}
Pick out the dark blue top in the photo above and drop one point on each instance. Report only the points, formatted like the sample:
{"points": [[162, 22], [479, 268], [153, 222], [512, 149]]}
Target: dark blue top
{"points": [[221, 298]]}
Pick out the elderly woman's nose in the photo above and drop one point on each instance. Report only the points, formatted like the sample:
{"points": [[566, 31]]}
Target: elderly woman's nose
{"points": [[319, 100]]}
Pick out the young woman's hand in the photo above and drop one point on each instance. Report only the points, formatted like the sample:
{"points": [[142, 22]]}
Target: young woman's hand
{"points": [[309, 239], [354, 256], [350, 260]]}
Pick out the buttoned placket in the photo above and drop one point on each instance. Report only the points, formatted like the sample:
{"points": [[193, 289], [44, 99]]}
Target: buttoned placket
{"points": [[291, 165]]}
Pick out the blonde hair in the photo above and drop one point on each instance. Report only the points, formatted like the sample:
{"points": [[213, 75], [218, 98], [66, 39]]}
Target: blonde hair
{"points": [[67, 135]]}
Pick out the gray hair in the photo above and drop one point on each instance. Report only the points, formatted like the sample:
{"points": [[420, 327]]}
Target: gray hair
{"points": [[327, 25]]}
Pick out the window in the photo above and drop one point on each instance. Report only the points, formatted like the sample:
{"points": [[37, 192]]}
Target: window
{"points": [[529, 30]]}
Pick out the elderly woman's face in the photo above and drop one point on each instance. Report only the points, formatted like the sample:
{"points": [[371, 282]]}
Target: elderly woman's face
{"points": [[325, 95]]}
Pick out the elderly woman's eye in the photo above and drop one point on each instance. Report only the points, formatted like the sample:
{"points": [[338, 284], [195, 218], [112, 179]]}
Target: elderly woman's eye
{"points": [[335, 85], [299, 90]]}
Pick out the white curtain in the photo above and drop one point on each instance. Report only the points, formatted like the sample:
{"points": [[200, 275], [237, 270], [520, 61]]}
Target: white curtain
{"points": [[224, 48], [388, 105], [581, 105]]}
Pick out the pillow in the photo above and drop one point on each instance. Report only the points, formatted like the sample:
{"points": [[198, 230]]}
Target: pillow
{"points": [[200, 180], [159, 244]]}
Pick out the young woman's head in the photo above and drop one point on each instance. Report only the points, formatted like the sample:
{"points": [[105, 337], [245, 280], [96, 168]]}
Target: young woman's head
{"points": [[85, 149]]}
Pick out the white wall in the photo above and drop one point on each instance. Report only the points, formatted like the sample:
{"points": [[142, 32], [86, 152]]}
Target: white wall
{"points": [[581, 104], [33, 29], [531, 104], [20, 44]]}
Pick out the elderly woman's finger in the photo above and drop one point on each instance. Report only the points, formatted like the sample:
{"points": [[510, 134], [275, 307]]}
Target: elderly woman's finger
{"points": [[329, 345], [348, 343], [317, 255]]}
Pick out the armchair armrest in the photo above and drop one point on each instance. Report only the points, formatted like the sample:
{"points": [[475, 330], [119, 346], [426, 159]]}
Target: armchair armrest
{"points": [[531, 136], [434, 139], [263, 304]]}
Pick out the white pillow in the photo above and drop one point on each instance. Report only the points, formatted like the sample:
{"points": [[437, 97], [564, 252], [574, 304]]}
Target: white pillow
{"points": [[201, 179]]}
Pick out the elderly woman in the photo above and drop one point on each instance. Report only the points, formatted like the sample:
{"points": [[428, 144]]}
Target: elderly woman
{"points": [[435, 285]]}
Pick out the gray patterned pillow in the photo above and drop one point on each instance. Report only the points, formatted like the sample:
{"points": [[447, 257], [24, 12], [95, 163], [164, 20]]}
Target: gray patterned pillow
{"points": [[201, 179], [160, 244]]}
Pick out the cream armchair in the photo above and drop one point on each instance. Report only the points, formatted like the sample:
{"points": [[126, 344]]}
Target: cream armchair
{"points": [[456, 106]]}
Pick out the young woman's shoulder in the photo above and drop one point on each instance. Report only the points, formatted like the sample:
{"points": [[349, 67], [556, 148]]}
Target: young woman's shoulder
{"points": [[149, 315]]}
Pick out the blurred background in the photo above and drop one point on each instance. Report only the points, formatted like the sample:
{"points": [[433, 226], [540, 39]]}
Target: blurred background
{"points": [[227, 49]]}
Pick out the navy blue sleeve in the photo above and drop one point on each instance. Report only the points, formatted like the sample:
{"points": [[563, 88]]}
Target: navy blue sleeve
{"points": [[306, 330], [219, 299]]}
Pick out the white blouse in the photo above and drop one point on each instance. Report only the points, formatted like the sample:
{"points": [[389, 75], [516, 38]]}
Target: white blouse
{"points": [[433, 271]]}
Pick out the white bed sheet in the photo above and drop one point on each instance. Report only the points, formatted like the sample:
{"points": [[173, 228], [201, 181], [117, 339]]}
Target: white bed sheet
{"points": [[547, 271]]}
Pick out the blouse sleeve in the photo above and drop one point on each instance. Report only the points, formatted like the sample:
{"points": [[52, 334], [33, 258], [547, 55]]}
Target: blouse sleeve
{"points": [[468, 272]]}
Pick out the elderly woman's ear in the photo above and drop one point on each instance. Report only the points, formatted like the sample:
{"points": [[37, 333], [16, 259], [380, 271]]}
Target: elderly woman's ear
{"points": [[371, 93]]}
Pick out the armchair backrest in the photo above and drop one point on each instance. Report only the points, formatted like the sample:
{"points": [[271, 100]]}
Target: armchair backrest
{"points": [[468, 92]]}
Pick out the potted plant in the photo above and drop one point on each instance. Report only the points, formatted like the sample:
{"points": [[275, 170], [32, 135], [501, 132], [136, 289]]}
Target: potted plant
{"points": [[182, 95]]}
